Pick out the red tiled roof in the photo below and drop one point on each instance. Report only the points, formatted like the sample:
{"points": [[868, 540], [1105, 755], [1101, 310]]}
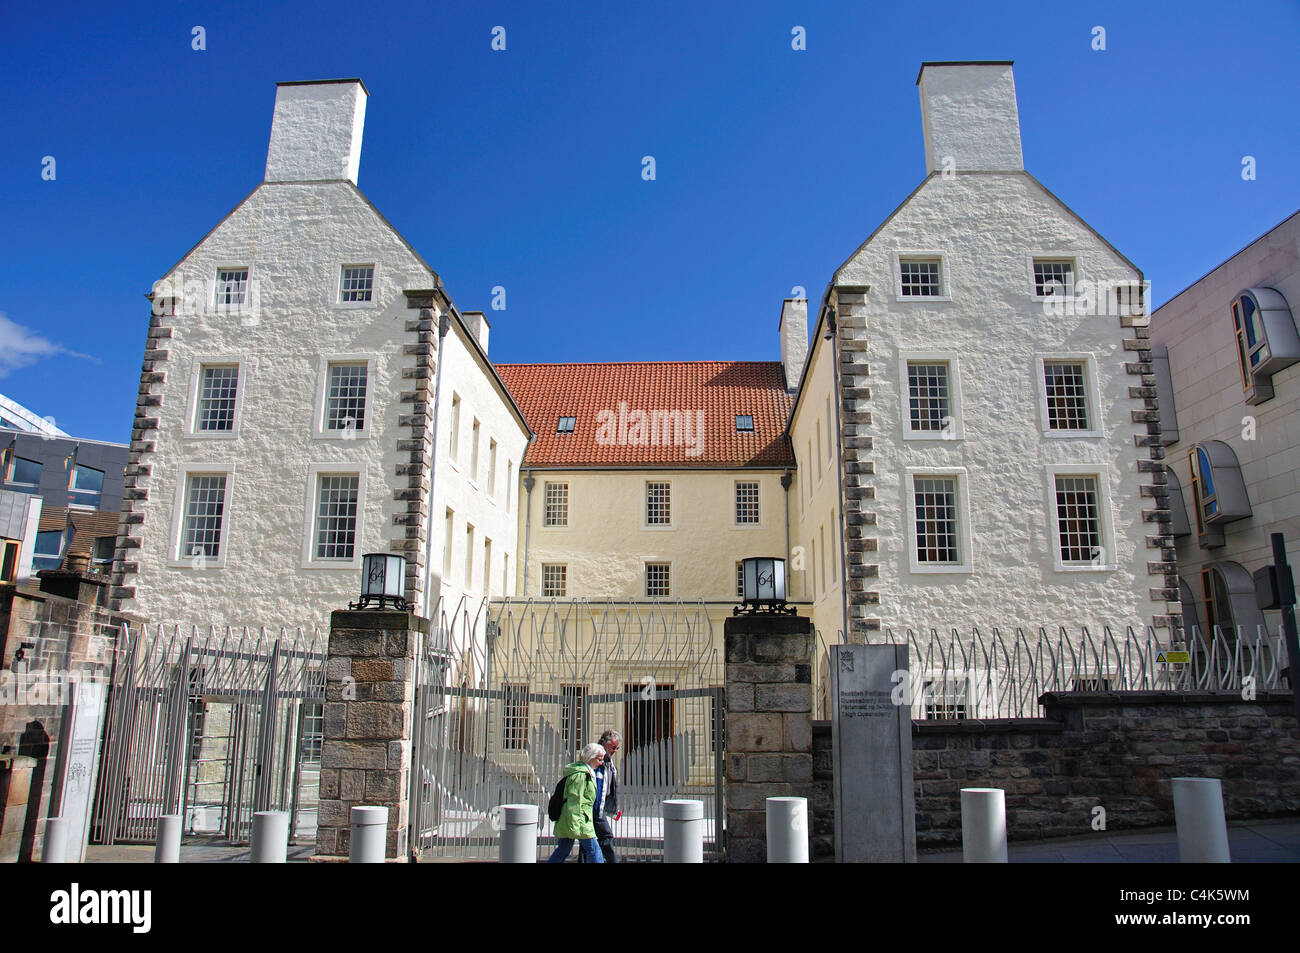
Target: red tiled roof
{"points": [[605, 399]]}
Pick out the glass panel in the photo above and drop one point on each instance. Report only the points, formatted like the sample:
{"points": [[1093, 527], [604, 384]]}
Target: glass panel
{"points": [[345, 407], [927, 389], [205, 503], [936, 520], [336, 517], [1078, 519], [217, 391], [26, 472]]}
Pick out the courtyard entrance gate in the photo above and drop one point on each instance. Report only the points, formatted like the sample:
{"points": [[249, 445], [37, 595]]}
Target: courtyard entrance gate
{"points": [[507, 694]]}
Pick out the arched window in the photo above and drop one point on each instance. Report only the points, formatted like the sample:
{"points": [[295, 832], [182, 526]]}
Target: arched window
{"points": [[1266, 340]]}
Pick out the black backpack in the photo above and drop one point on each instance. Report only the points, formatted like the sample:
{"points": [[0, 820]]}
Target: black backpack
{"points": [[556, 804]]}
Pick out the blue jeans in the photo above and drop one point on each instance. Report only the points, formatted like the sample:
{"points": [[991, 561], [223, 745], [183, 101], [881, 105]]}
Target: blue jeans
{"points": [[564, 846]]}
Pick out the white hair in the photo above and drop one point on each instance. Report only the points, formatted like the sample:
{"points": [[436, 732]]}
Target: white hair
{"points": [[590, 751]]}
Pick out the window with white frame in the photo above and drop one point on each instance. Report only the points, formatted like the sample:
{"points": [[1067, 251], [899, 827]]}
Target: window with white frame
{"points": [[1065, 385], [935, 502], [48, 551], [345, 396], [554, 580], [920, 277], [658, 580], [205, 506], [556, 498], [469, 555], [658, 504], [473, 450], [453, 437], [929, 397], [510, 484], [492, 469], [487, 567], [938, 521], [218, 391], [335, 530], [1078, 519], [24, 472], [356, 284], [102, 554], [514, 728], [747, 504], [1053, 277], [448, 524], [231, 288], [86, 487]]}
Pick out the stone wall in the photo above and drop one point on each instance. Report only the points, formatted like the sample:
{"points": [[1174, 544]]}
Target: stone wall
{"points": [[1116, 751], [769, 724], [366, 752]]}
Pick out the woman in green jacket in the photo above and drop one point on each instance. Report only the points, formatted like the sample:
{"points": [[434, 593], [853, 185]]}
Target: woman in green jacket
{"points": [[575, 821]]}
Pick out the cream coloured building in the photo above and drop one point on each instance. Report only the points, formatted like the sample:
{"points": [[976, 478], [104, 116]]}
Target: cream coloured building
{"points": [[310, 393], [1227, 355]]}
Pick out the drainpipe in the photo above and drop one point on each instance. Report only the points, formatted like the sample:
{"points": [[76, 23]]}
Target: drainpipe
{"points": [[786, 479], [444, 325], [832, 335], [528, 525]]}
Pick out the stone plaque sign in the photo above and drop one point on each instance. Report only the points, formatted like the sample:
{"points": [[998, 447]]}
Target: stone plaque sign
{"points": [[875, 809], [77, 762]]}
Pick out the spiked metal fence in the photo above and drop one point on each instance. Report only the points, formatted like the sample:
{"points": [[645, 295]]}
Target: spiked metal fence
{"points": [[213, 726], [508, 693], [1002, 674]]}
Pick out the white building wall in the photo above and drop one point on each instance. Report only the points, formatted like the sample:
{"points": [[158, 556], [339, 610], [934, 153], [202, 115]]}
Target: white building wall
{"points": [[987, 227], [458, 487], [293, 238]]}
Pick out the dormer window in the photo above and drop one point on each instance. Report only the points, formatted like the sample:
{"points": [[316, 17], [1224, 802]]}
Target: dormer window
{"points": [[1266, 338], [744, 423], [566, 425]]}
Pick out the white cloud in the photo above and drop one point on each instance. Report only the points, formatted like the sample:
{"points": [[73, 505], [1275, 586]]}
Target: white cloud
{"points": [[21, 347]]}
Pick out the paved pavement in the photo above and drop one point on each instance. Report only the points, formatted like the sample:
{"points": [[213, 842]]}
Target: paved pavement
{"points": [[1251, 842]]}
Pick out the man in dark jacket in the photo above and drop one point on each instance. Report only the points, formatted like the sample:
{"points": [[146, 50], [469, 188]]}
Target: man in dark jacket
{"points": [[606, 807]]}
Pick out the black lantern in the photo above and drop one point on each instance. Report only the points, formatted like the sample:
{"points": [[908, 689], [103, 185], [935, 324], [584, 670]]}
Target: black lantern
{"points": [[764, 586], [383, 581]]}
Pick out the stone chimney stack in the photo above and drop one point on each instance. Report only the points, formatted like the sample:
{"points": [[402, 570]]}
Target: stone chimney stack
{"points": [[794, 340], [316, 131], [969, 115], [477, 323]]}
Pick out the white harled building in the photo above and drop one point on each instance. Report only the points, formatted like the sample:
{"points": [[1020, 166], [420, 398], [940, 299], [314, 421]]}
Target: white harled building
{"points": [[301, 360]]}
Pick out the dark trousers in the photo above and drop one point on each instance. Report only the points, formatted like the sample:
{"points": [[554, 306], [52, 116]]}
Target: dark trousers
{"points": [[605, 838]]}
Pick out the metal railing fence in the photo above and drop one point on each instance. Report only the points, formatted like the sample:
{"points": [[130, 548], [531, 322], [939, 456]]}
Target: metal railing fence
{"points": [[999, 674]]}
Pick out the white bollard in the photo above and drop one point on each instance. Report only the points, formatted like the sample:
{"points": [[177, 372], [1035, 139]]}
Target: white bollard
{"points": [[983, 826], [168, 847], [683, 832], [270, 838], [55, 848], [787, 830], [369, 835], [1202, 827], [519, 835]]}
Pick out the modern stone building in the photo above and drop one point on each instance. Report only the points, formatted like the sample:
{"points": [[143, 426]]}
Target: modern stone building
{"points": [[309, 393], [1226, 351]]}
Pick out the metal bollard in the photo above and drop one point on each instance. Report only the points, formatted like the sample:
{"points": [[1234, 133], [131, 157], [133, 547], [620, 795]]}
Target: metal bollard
{"points": [[519, 835], [270, 838], [1202, 827], [167, 850], [55, 848], [983, 826], [369, 835], [787, 830], [683, 832]]}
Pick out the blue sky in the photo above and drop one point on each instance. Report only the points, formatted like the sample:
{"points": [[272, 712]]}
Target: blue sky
{"points": [[523, 168]]}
